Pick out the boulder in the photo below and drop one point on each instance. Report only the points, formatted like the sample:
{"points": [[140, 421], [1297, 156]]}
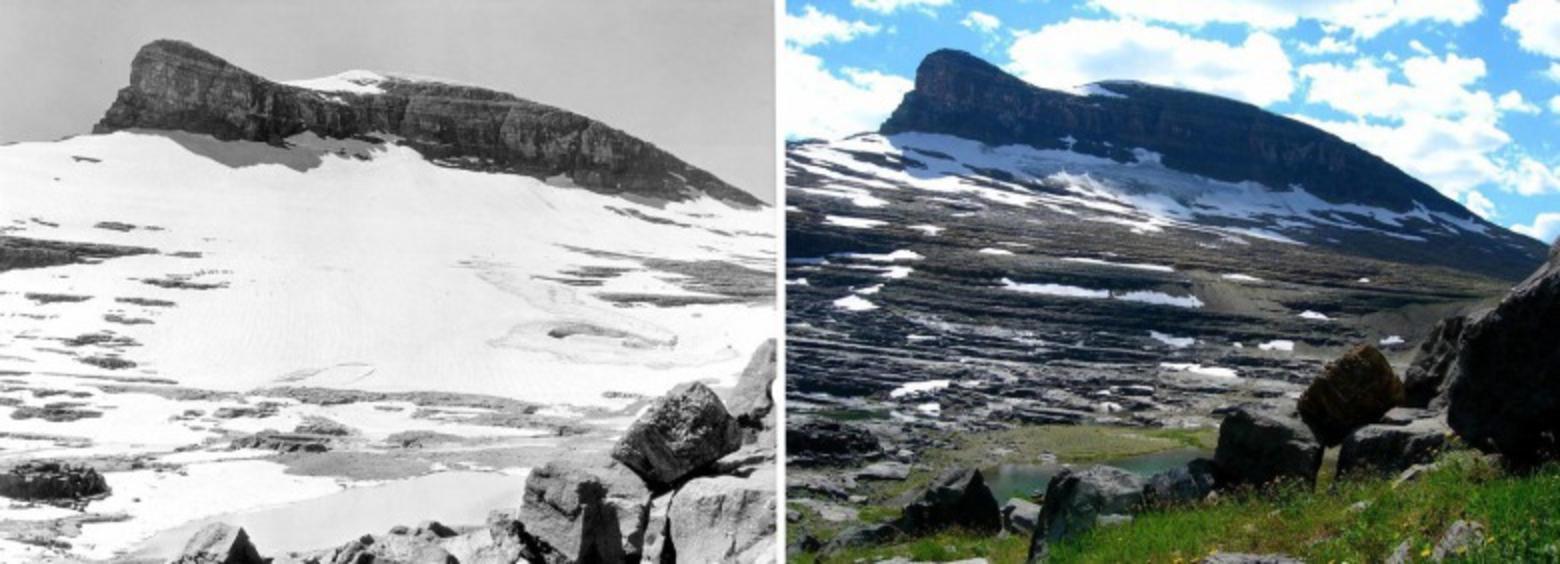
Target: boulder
{"points": [[1182, 484], [1258, 447], [219, 543], [1354, 390], [1392, 448], [1075, 501], [863, 535], [585, 509], [725, 518], [957, 498], [1424, 380], [680, 433], [1505, 389], [1020, 516], [1459, 538], [886, 470], [658, 544], [750, 402], [815, 442], [53, 482]]}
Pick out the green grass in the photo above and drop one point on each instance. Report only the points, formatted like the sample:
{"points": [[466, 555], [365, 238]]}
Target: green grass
{"points": [[1521, 515]]}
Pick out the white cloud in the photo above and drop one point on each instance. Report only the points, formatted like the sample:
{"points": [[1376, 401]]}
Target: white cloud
{"points": [[1327, 45], [1479, 205], [890, 6], [1554, 72], [1554, 104], [1452, 155], [1529, 177], [981, 22], [1545, 227], [1537, 23], [1364, 18], [1418, 47], [1075, 52], [1512, 101], [814, 27], [1435, 86], [818, 103]]}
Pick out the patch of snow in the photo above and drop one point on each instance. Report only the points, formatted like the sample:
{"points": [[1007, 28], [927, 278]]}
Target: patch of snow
{"points": [[1242, 278], [1392, 340], [917, 388], [1134, 266], [901, 254], [1159, 298], [897, 272], [1211, 371], [1055, 290], [853, 222], [1314, 315], [1171, 340], [1283, 345], [930, 230], [854, 303], [994, 251], [354, 81], [869, 290], [796, 282]]}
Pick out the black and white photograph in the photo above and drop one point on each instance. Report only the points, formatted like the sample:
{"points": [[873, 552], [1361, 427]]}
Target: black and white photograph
{"points": [[397, 281]]}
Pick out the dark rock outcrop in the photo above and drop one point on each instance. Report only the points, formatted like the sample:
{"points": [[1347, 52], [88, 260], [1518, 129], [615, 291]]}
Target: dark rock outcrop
{"points": [[863, 535], [826, 442], [219, 543], [1353, 390], [1257, 447], [271, 439], [1075, 501], [1504, 393], [1182, 484], [585, 509], [957, 498], [177, 86], [961, 95], [1424, 380], [683, 431], [52, 482], [1392, 448]]}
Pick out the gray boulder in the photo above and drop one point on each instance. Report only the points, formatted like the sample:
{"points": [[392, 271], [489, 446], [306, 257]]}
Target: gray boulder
{"points": [[585, 509], [957, 498], [683, 431], [219, 543], [1505, 389], [1076, 501], [885, 470], [658, 545], [1257, 447], [1353, 390], [1424, 382], [1020, 516], [864, 535], [1182, 484], [1459, 538], [750, 402], [1392, 448], [728, 518]]}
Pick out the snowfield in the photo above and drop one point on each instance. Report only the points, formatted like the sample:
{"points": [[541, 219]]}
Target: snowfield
{"points": [[370, 269]]}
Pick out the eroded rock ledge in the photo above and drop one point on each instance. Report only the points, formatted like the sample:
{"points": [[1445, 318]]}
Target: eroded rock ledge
{"points": [[177, 86]]}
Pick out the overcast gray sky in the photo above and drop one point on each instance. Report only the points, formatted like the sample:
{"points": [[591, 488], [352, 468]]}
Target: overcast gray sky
{"points": [[695, 77]]}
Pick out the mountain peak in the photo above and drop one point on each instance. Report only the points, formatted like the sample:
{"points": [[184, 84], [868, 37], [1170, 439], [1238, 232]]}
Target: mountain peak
{"points": [[177, 86], [959, 94]]}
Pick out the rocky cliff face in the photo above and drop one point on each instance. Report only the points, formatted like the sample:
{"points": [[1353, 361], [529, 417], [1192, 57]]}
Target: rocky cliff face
{"points": [[177, 86]]}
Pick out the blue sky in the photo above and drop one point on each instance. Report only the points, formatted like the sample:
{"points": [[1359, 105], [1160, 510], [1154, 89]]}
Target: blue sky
{"points": [[1462, 94]]}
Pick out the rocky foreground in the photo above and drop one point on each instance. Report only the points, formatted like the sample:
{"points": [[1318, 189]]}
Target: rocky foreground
{"points": [[693, 479], [1378, 423]]}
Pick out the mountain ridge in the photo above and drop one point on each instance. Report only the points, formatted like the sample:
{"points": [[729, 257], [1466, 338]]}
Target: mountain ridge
{"points": [[175, 85]]}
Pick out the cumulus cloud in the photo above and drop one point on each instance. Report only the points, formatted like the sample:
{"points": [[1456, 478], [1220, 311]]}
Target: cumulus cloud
{"points": [[820, 103], [890, 6], [1512, 101], [1436, 86], [1327, 45], [1529, 177], [1479, 205], [815, 27], [1545, 227], [981, 22], [1554, 104], [1363, 18], [1452, 155], [1553, 73], [1537, 23], [1076, 51]]}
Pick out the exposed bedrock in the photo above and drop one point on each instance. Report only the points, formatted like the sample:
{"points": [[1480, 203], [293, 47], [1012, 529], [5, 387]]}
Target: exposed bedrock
{"points": [[177, 86]]}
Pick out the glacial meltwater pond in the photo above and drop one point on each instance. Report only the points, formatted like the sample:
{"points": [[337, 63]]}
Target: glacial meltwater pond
{"points": [[1021, 480], [451, 498]]}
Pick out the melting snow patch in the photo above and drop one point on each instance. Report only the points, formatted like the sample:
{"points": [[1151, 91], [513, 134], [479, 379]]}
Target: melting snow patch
{"points": [[898, 255], [994, 251], [1201, 370], [914, 388], [1392, 340], [853, 222], [897, 272], [1242, 278], [797, 282], [1160, 298], [1136, 266], [931, 230], [869, 290], [1284, 345], [1314, 315], [354, 81], [1364, 280], [1171, 340], [929, 408], [854, 303], [1055, 290]]}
